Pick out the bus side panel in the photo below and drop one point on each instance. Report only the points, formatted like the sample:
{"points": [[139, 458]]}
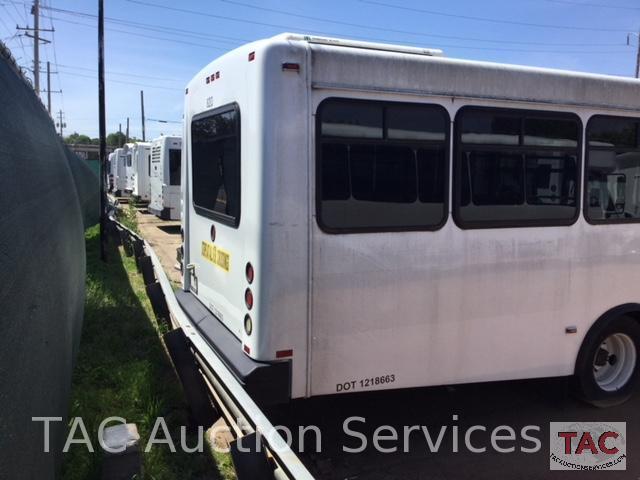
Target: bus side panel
{"points": [[283, 276], [406, 309]]}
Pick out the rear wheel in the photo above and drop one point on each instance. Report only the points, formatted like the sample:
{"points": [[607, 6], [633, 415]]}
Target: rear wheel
{"points": [[607, 370]]}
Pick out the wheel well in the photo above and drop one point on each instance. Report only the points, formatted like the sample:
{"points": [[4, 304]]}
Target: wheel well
{"points": [[628, 309]]}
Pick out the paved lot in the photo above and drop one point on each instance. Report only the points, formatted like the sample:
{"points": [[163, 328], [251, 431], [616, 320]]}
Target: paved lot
{"points": [[164, 238], [516, 404]]}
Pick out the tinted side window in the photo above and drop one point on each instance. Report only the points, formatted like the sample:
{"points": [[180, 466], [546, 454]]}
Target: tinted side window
{"points": [[612, 132], [381, 166], [613, 170], [174, 167], [516, 168], [215, 148]]}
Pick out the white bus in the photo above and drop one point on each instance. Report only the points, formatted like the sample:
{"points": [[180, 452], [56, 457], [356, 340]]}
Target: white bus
{"points": [[112, 170], [165, 177], [120, 171], [361, 217], [141, 166]]}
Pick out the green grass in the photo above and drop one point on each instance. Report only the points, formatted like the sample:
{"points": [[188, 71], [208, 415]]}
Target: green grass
{"points": [[123, 370], [127, 216]]}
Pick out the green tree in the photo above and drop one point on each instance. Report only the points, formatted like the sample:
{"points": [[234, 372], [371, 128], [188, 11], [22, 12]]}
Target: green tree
{"points": [[115, 139], [75, 137]]}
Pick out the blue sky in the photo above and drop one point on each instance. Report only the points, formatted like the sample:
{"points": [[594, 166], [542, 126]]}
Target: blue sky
{"points": [[158, 49]]}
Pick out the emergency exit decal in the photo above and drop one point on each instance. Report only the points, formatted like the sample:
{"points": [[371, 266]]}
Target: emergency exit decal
{"points": [[216, 255]]}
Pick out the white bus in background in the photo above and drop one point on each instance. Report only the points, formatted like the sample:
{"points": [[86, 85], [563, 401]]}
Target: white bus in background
{"points": [[141, 161], [129, 168], [360, 217], [112, 171], [120, 171], [165, 177]]}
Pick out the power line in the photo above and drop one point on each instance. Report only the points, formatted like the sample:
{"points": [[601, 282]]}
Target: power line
{"points": [[55, 56], [175, 89], [407, 32], [596, 5], [201, 13], [486, 19], [111, 72], [152, 37], [242, 20], [145, 26], [10, 15]]}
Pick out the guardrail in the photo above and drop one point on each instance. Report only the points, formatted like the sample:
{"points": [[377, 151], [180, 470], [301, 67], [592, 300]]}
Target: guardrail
{"points": [[259, 451]]}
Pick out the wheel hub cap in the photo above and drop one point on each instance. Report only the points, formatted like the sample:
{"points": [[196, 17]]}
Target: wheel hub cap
{"points": [[615, 362]]}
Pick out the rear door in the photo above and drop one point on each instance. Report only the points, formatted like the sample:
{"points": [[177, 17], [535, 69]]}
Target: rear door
{"points": [[215, 236]]}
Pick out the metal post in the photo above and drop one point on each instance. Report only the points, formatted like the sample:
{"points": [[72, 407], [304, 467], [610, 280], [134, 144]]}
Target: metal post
{"points": [[49, 87], [36, 46], [102, 129], [142, 108], [126, 140], [638, 59]]}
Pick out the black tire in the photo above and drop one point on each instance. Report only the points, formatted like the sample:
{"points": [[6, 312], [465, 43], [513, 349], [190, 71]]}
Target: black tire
{"points": [[584, 382]]}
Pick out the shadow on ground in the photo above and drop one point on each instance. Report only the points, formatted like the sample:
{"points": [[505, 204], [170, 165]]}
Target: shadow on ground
{"points": [[170, 229]]}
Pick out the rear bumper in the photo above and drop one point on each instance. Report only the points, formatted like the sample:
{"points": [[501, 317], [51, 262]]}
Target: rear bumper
{"points": [[267, 383]]}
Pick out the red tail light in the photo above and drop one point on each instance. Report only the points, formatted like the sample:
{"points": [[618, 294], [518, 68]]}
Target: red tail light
{"points": [[249, 273], [248, 298]]}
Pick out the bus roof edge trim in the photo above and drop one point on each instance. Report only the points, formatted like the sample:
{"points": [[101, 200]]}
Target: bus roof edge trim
{"points": [[337, 42]]}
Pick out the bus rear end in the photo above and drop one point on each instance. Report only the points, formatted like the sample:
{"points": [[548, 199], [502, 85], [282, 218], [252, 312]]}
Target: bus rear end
{"points": [[223, 153]]}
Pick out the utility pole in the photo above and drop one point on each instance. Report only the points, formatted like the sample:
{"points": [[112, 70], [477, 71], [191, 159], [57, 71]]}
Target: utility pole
{"points": [[49, 87], [35, 11], [127, 136], [36, 45], [142, 108], [637, 53], [61, 123], [103, 131], [48, 91], [638, 59]]}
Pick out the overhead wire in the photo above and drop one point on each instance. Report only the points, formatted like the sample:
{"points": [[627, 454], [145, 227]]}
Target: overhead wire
{"points": [[488, 19], [407, 32]]}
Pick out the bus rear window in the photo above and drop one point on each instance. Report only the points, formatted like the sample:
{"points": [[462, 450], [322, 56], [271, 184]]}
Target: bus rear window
{"points": [[174, 167], [215, 147]]}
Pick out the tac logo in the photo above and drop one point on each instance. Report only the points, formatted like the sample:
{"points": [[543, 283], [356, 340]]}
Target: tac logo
{"points": [[588, 446]]}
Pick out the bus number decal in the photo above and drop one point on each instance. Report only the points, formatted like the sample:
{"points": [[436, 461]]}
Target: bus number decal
{"points": [[365, 383], [216, 255]]}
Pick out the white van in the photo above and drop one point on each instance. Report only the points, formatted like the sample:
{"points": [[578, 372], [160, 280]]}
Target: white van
{"points": [[361, 217], [141, 161], [165, 177]]}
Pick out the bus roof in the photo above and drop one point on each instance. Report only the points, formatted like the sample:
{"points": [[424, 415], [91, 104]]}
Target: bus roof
{"points": [[341, 65]]}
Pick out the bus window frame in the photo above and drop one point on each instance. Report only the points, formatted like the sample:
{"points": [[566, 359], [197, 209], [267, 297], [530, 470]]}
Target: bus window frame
{"points": [[233, 222], [585, 199], [523, 114], [446, 143]]}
